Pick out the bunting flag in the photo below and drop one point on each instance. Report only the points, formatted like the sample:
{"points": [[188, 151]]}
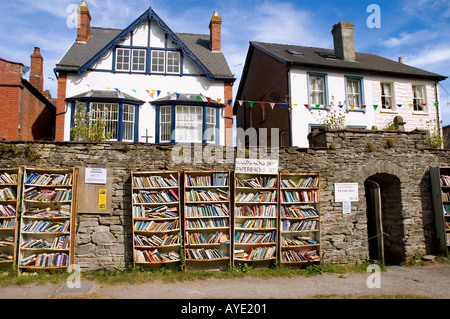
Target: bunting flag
{"points": [[364, 106], [219, 100], [272, 105], [352, 107], [411, 105], [283, 105], [208, 99], [307, 106], [251, 103], [262, 104], [178, 95], [317, 106], [375, 107], [230, 102], [198, 98], [159, 92], [341, 106], [117, 89], [399, 105], [436, 104]]}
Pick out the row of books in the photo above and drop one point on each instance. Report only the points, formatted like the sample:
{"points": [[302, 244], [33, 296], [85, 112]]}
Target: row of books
{"points": [[302, 182], [215, 179], [166, 240], [155, 256], [298, 241], [207, 196], [143, 197], [8, 193], [259, 253], [57, 195], [156, 226], [154, 181], [49, 179], [204, 254], [6, 256], [255, 238], [7, 241], [446, 209], [446, 197], [141, 211], [258, 224], [296, 256], [257, 182], [8, 223], [46, 260], [62, 212], [207, 223], [206, 210], [256, 211], [259, 197], [299, 196], [445, 180], [448, 239], [6, 178], [7, 211], [62, 242], [42, 226], [211, 238], [298, 211], [304, 225]]}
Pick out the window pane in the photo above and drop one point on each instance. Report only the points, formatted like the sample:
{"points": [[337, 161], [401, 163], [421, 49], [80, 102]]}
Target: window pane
{"points": [[165, 124], [109, 113], [158, 61], [353, 92], [211, 125], [173, 62], [189, 124], [386, 96], [419, 97], [317, 90], [123, 59], [128, 122], [139, 60]]}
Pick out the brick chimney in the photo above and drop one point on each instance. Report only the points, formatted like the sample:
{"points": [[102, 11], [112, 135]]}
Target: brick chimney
{"points": [[215, 32], [84, 23], [37, 70], [344, 43]]}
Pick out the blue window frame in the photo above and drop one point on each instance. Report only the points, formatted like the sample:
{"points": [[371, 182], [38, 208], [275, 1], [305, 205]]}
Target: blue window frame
{"points": [[317, 90], [187, 124], [354, 93]]}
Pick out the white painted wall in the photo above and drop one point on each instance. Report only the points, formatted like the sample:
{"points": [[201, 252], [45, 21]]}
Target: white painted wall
{"points": [[303, 117]]}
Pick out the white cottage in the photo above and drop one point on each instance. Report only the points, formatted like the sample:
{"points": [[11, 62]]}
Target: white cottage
{"points": [[303, 88], [151, 84]]}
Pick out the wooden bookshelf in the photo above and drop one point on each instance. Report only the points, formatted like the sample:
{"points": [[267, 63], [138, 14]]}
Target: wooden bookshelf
{"points": [[47, 231], [299, 219], [10, 181], [255, 219], [157, 239], [207, 220], [440, 187]]}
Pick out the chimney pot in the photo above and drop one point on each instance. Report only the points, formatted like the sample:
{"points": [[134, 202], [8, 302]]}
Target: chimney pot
{"points": [[215, 32], [344, 43], [400, 59]]}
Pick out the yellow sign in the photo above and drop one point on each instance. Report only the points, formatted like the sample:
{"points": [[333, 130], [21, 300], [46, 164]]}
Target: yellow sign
{"points": [[102, 199]]}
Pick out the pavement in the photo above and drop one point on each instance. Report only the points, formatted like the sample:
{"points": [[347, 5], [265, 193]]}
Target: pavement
{"points": [[429, 281]]}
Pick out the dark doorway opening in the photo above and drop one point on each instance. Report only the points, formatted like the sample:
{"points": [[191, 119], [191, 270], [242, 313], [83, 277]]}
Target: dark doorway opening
{"points": [[384, 219]]}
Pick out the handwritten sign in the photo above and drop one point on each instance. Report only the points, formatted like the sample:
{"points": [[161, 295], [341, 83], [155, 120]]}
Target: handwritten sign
{"points": [[256, 166], [95, 176], [346, 192]]}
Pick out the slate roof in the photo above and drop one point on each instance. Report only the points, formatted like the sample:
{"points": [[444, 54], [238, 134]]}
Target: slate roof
{"points": [[106, 95], [81, 56], [325, 59]]}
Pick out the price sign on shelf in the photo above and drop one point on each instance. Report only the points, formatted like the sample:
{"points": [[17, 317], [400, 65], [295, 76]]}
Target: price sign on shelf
{"points": [[256, 166]]}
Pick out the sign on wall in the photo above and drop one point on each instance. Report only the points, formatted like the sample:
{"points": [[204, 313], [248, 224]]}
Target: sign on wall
{"points": [[94, 191], [346, 193], [256, 166]]}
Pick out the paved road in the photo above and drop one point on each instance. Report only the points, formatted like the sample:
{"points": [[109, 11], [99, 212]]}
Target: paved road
{"points": [[431, 281]]}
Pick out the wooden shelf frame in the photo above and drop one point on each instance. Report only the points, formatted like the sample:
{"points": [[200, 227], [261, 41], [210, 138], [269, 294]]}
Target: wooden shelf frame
{"points": [[440, 215]]}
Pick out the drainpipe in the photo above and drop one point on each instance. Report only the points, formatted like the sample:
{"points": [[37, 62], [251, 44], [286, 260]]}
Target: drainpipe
{"points": [[441, 134]]}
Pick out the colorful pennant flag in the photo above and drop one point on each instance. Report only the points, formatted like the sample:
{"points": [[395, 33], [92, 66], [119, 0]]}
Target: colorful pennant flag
{"points": [[272, 105], [352, 107], [230, 101], [262, 104], [375, 107], [251, 103], [283, 105]]}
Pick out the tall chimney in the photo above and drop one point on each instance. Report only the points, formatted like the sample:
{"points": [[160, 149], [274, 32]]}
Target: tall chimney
{"points": [[84, 23], [344, 43], [37, 70], [215, 32]]}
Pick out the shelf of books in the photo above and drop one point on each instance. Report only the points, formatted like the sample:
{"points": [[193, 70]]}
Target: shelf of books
{"points": [[47, 220], [9, 208], [207, 220], [157, 237], [440, 186], [255, 219], [299, 219]]}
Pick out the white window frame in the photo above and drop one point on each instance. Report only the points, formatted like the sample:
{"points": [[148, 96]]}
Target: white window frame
{"points": [[109, 112], [354, 94], [173, 62], [128, 122], [137, 66], [189, 124], [387, 97], [317, 94], [156, 66], [121, 60], [165, 124], [211, 125], [419, 101]]}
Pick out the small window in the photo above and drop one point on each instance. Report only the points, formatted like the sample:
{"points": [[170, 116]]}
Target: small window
{"points": [[211, 125], [387, 102], [189, 124], [165, 122], [139, 60], [128, 123], [158, 61], [354, 93], [283, 139], [173, 62], [419, 98], [317, 90], [123, 60]]}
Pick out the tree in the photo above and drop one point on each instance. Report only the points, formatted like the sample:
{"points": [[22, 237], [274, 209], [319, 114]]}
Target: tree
{"points": [[86, 129]]}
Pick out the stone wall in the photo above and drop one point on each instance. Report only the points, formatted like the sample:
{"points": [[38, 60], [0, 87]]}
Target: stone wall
{"points": [[105, 241]]}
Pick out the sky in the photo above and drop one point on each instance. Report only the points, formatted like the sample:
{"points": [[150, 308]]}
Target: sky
{"points": [[419, 31]]}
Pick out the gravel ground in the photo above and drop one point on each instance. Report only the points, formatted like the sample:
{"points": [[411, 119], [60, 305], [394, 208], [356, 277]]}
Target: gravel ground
{"points": [[432, 281]]}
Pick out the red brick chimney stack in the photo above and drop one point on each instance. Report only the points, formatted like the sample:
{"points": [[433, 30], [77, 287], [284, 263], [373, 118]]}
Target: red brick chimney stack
{"points": [[84, 23], [37, 70], [215, 32]]}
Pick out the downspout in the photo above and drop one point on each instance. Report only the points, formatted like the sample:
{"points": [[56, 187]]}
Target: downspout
{"points": [[289, 106], [441, 133]]}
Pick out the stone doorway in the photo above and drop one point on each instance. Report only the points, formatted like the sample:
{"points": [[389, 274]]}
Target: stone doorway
{"points": [[384, 219]]}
